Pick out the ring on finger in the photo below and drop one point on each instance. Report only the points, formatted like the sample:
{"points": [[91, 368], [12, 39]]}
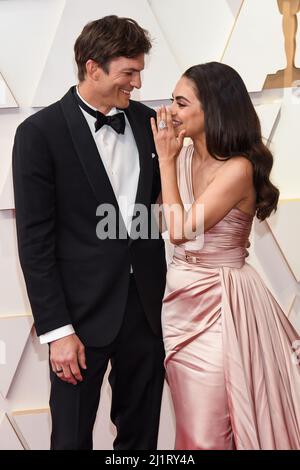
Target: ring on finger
{"points": [[162, 125]]}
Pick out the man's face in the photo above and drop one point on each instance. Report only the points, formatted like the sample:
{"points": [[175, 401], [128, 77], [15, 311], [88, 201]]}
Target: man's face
{"points": [[114, 88]]}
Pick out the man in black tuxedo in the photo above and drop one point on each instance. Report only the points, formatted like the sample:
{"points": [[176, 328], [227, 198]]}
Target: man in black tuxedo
{"points": [[95, 294]]}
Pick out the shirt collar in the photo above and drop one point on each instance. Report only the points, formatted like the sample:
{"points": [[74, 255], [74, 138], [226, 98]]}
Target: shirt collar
{"points": [[111, 112]]}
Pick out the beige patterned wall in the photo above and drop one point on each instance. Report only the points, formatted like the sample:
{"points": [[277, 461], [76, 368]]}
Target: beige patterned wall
{"points": [[36, 68]]}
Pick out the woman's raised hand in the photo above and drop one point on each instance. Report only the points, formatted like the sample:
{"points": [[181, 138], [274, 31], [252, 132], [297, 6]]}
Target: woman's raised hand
{"points": [[167, 144]]}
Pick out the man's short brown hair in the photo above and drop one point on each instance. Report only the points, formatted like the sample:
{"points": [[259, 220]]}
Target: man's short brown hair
{"points": [[108, 38]]}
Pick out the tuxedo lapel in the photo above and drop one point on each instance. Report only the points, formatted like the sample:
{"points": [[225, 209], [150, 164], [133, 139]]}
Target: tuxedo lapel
{"points": [[87, 150], [143, 195]]}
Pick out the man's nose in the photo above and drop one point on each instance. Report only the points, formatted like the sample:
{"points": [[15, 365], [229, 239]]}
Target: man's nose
{"points": [[136, 81]]}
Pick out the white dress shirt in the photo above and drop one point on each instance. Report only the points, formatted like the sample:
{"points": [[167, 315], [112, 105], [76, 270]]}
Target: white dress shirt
{"points": [[120, 158]]}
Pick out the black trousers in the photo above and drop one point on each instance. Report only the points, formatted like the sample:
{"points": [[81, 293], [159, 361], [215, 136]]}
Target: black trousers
{"points": [[136, 379]]}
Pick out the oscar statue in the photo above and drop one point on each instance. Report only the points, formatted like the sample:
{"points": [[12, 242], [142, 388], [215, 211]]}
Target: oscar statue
{"points": [[285, 78]]}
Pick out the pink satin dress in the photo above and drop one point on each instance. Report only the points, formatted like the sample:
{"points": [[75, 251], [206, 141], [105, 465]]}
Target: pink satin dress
{"points": [[230, 364]]}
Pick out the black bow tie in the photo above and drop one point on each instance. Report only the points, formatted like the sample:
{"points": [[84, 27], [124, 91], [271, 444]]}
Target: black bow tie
{"points": [[116, 121]]}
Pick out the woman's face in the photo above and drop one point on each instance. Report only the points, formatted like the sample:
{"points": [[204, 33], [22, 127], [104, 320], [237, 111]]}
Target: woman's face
{"points": [[186, 109]]}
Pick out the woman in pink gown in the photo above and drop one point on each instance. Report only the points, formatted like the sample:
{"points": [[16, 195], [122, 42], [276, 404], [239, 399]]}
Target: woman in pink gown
{"points": [[230, 350]]}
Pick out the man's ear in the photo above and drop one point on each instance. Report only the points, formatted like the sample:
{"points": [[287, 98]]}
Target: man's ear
{"points": [[93, 70]]}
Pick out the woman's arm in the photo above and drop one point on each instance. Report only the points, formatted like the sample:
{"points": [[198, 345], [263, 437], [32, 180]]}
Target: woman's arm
{"points": [[231, 184]]}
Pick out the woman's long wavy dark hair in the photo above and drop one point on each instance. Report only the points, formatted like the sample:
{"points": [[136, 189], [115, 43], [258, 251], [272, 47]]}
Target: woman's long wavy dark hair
{"points": [[232, 127]]}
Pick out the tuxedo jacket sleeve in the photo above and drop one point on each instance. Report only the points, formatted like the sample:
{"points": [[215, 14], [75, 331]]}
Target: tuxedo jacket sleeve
{"points": [[34, 189]]}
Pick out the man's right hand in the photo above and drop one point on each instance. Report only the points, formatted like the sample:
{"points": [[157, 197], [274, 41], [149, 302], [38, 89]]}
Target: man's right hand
{"points": [[67, 355]]}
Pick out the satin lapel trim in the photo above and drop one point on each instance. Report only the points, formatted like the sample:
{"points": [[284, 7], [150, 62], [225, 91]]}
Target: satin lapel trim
{"points": [[143, 193], [87, 150]]}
